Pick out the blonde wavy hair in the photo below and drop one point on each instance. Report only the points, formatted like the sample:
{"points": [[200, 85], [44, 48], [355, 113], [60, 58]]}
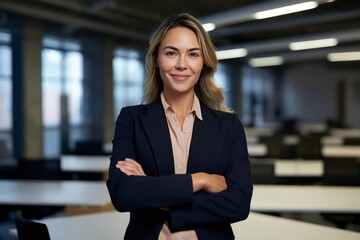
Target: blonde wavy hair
{"points": [[206, 89]]}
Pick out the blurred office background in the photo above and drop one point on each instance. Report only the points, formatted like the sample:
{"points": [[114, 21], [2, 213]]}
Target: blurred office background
{"points": [[67, 67]]}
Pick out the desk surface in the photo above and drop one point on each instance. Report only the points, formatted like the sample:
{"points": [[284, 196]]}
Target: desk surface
{"points": [[266, 198], [340, 151], [257, 150], [298, 168], [62, 193], [112, 225], [282, 198], [293, 167], [79, 163]]}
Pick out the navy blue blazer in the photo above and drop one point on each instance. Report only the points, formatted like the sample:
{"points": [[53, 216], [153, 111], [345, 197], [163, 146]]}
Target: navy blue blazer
{"points": [[218, 146]]}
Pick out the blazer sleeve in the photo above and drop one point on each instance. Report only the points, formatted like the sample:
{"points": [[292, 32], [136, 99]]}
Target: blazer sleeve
{"points": [[228, 206], [141, 192]]}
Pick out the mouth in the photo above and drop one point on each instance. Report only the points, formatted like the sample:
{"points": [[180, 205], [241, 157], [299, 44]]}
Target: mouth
{"points": [[180, 77]]}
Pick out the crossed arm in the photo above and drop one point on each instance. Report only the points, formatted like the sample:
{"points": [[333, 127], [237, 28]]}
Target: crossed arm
{"points": [[213, 183]]}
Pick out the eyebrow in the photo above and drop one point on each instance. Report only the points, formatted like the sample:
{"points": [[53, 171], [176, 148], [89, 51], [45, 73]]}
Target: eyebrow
{"points": [[176, 49]]}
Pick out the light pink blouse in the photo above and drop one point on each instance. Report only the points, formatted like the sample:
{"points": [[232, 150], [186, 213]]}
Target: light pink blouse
{"points": [[180, 141]]}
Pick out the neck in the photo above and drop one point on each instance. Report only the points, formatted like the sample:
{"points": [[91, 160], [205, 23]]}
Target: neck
{"points": [[181, 103]]}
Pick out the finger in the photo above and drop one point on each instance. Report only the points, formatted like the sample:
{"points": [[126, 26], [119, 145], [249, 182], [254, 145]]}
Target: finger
{"points": [[139, 168], [125, 171], [130, 169]]}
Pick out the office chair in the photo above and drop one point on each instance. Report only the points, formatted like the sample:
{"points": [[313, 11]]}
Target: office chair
{"points": [[341, 172], [39, 169], [89, 147], [30, 230], [263, 173], [308, 150], [352, 141]]}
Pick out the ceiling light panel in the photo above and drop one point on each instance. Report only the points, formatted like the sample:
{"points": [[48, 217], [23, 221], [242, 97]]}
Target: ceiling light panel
{"points": [[286, 10], [231, 53], [311, 44], [344, 56], [266, 61]]}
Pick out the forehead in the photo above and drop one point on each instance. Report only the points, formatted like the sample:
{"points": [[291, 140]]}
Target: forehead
{"points": [[180, 36]]}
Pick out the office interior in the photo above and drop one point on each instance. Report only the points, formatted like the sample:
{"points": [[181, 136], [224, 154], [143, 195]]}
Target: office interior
{"points": [[68, 67]]}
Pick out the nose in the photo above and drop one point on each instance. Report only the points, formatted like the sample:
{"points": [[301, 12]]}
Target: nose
{"points": [[181, 63]]}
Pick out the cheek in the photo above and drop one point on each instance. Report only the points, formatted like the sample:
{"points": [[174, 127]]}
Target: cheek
{"points": [[165, 65], [197, 67]]}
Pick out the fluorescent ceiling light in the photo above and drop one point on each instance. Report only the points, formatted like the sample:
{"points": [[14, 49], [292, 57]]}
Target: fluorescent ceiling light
{"points": [[231, 53], [344, 56], [320, 43], [286, 10], [209, 26], [266, 61]]}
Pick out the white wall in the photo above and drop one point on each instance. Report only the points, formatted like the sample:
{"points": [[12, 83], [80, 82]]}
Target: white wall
{"points": [[310, 92]]}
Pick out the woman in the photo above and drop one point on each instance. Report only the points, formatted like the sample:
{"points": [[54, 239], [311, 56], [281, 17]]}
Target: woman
{"points": [[180, 163]]}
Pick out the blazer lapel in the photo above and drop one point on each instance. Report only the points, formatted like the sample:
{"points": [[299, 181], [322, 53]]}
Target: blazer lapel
{"points": [[202, 141], [157, 132]]}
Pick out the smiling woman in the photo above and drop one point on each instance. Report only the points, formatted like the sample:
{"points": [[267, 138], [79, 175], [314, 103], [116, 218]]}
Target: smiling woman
{"points": [[180, 64], [180, 163]]}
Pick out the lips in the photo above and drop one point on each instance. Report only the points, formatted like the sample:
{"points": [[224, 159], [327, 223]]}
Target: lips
{"points": [[180, 77]]}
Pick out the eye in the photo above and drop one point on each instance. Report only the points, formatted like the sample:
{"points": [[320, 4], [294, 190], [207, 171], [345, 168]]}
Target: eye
{"points": [[194, 54], [170, 53]]}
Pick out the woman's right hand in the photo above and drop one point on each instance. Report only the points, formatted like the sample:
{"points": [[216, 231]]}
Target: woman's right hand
{"points": [[213, 183]]}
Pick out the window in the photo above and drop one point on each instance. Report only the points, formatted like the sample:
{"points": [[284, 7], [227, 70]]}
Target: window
{"points": [[5, 94], [223, 81], [62, 88], [128, 79], [258, 105]]}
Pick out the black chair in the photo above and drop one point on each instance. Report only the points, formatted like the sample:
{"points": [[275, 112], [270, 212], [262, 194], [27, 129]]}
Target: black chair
{"points": [[352, 141], [308, 150], [40, 169], [89, 147], [341, 172], [30, 230], [280, 150], [263, 172]]}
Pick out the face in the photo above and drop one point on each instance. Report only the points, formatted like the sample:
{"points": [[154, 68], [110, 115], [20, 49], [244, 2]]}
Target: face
{"points": [[179, 61]]}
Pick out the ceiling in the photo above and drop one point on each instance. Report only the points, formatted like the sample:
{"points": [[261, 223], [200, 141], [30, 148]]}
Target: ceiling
{"points": [[133, 21]]}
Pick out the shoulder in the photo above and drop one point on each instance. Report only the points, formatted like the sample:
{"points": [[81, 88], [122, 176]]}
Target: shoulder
{"points": [[129, 111], [141, 109], [212, 113]]}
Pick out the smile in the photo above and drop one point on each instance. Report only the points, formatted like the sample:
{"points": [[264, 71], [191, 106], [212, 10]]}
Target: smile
{"points": [[180, 77]]}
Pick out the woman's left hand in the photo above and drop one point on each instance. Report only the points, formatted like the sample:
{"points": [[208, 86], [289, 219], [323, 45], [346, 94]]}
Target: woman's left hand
{"points": [[130, 167]]}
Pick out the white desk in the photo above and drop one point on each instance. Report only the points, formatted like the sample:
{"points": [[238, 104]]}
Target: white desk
{"points": [[78, 197], [341, 151], [259, 131], [291, 140], [293, 167], [257, 150], [332, 140], [345, 132], [299, 168], [79, 163], [89, 193], [260, 226], [112, 225], [282, 198]]}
